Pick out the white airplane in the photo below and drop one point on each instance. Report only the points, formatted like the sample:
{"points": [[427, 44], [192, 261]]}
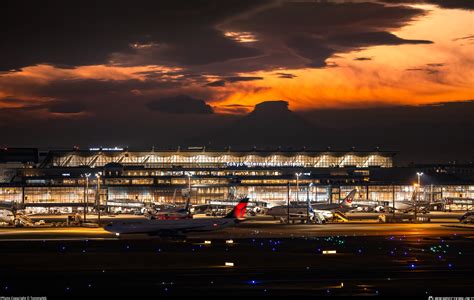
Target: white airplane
{"points": [[181, 226], [322, 211], [171, 213], [300, 212], [406, 206], [7, 216]]}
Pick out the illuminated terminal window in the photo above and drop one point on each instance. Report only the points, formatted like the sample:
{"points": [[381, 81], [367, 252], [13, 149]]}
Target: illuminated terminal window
{"points": [[220, 159], [11, 194], [142, 181], [58, 194]]}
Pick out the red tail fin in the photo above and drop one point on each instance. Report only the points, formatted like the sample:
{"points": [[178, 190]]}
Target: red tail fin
{"points": [[239, 210]]}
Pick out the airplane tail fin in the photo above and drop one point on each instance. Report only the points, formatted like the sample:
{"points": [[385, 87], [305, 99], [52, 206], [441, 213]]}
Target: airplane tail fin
{"points": [[239, 210], [310, 208], [349, 198]]}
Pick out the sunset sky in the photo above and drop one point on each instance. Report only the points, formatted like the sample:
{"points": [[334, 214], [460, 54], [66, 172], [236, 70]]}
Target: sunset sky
{"points": [[133, 61]]}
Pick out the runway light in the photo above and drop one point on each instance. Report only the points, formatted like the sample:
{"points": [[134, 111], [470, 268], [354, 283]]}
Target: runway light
{"points": [[229, 264], [229, 241], [207, 242], [329, 251]]}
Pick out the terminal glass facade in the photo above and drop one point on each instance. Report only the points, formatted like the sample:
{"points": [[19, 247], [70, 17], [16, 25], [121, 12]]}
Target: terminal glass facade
{"points": [[209, 159]]}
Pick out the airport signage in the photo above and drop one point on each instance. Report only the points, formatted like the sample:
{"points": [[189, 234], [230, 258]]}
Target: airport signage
{"points": [[265, 164], [106, 149]]}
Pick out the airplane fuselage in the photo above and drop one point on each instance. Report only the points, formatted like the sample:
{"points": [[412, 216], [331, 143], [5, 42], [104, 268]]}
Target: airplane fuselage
{"points": [[282, 211], [170, 226]]}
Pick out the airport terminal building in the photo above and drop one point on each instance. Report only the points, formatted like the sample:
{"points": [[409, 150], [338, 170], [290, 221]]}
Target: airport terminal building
{"points": [[122, 179]]}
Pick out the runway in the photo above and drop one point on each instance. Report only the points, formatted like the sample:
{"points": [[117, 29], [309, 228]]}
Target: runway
{"points": [[259, 227]]}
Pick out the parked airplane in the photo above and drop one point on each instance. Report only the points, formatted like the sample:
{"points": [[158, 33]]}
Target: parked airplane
{"points": [[410, 205], [299, 212], [179, 227], [217, 206], [369, 205], [171, 213], [7, 216], [344, 206], [326, 211], [12, 217]]}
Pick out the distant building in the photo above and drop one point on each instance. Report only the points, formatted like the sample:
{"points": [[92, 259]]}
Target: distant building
{"points": [[14, 159]]}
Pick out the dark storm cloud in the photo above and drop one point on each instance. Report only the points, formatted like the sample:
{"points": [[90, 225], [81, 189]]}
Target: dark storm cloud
{"points": [[270, 124], [315, 31], [456, 4], [76, 33], [318, 50], [191, 35], [191, 50], [286, 75], [313, 49], [461, 4], [435, 65], [217, 83], [363, 58], [181, 104], [233, 79], [65, 107], [468, 37], [365, 39], [243, 78]]}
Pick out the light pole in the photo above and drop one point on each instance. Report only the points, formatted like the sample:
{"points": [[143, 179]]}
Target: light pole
{"points": [[298, 187], [98, 196], [415, 199], [86, 194], [419, 174], [308, 202]]}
